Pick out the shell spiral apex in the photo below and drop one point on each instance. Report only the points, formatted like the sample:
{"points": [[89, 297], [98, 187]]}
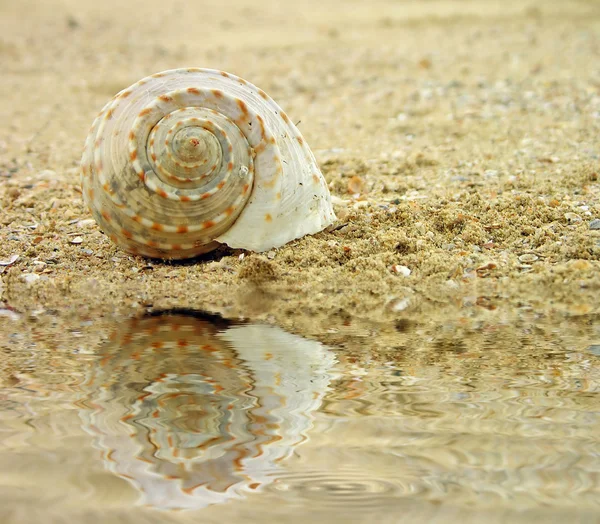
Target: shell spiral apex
{"points": [[187, 159]]}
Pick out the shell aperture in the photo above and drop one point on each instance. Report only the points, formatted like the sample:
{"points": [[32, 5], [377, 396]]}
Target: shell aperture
{"points": [[187, 159]]}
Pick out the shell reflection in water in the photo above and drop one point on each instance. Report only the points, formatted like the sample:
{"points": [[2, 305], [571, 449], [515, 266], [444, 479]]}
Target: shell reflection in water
{"points": [[193, 412]]}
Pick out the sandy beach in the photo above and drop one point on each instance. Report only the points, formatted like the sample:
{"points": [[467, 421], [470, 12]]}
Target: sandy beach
{"points": [[459, 140]]}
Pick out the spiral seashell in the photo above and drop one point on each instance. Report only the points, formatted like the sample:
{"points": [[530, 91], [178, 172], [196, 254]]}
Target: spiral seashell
{"points": [[193, 411], [187, 159]]}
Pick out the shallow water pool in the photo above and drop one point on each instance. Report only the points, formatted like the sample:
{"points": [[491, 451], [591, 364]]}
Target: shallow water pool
{"points": [[180, 416]]}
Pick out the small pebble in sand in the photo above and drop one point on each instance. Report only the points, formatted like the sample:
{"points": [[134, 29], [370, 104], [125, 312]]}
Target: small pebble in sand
{"points": [[14, 193], [10, 261], [46, 174], [397, 305], [30, 278], [76, 240], [9, 313], [452, 284], [485, 270], [88, 222], [573, 218], [401, 270], [271, 255], [337, 201], [342, 214], [425, 63], [595, 224], [527, 258], [356, 185], [550, 160]]}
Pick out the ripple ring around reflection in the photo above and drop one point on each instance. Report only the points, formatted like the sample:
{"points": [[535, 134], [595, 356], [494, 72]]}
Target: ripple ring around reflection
{"points": [[345, 489]]}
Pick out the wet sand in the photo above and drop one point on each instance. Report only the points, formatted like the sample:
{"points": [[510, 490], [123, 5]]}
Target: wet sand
{"points": [[459, 140]]}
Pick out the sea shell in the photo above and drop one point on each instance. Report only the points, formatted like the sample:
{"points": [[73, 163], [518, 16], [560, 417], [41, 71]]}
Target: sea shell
{"points": [[189, 158], [193, 411]]}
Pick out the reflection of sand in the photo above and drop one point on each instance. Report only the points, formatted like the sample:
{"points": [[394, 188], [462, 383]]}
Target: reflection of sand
{"points": [[192, 416]]}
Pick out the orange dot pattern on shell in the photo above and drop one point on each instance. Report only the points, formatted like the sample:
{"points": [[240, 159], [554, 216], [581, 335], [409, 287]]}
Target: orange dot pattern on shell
{"points": [[188, 158]]}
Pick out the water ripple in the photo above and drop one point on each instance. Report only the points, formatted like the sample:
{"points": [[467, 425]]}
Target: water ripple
{"points": [[240, 422], [344, 488]]}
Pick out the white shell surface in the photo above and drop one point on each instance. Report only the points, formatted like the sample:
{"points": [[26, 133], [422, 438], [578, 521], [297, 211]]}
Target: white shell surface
{"points": [[257, 188]]}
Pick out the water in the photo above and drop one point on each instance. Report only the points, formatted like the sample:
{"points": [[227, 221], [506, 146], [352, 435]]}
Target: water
{"points": [[182, 417]]}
